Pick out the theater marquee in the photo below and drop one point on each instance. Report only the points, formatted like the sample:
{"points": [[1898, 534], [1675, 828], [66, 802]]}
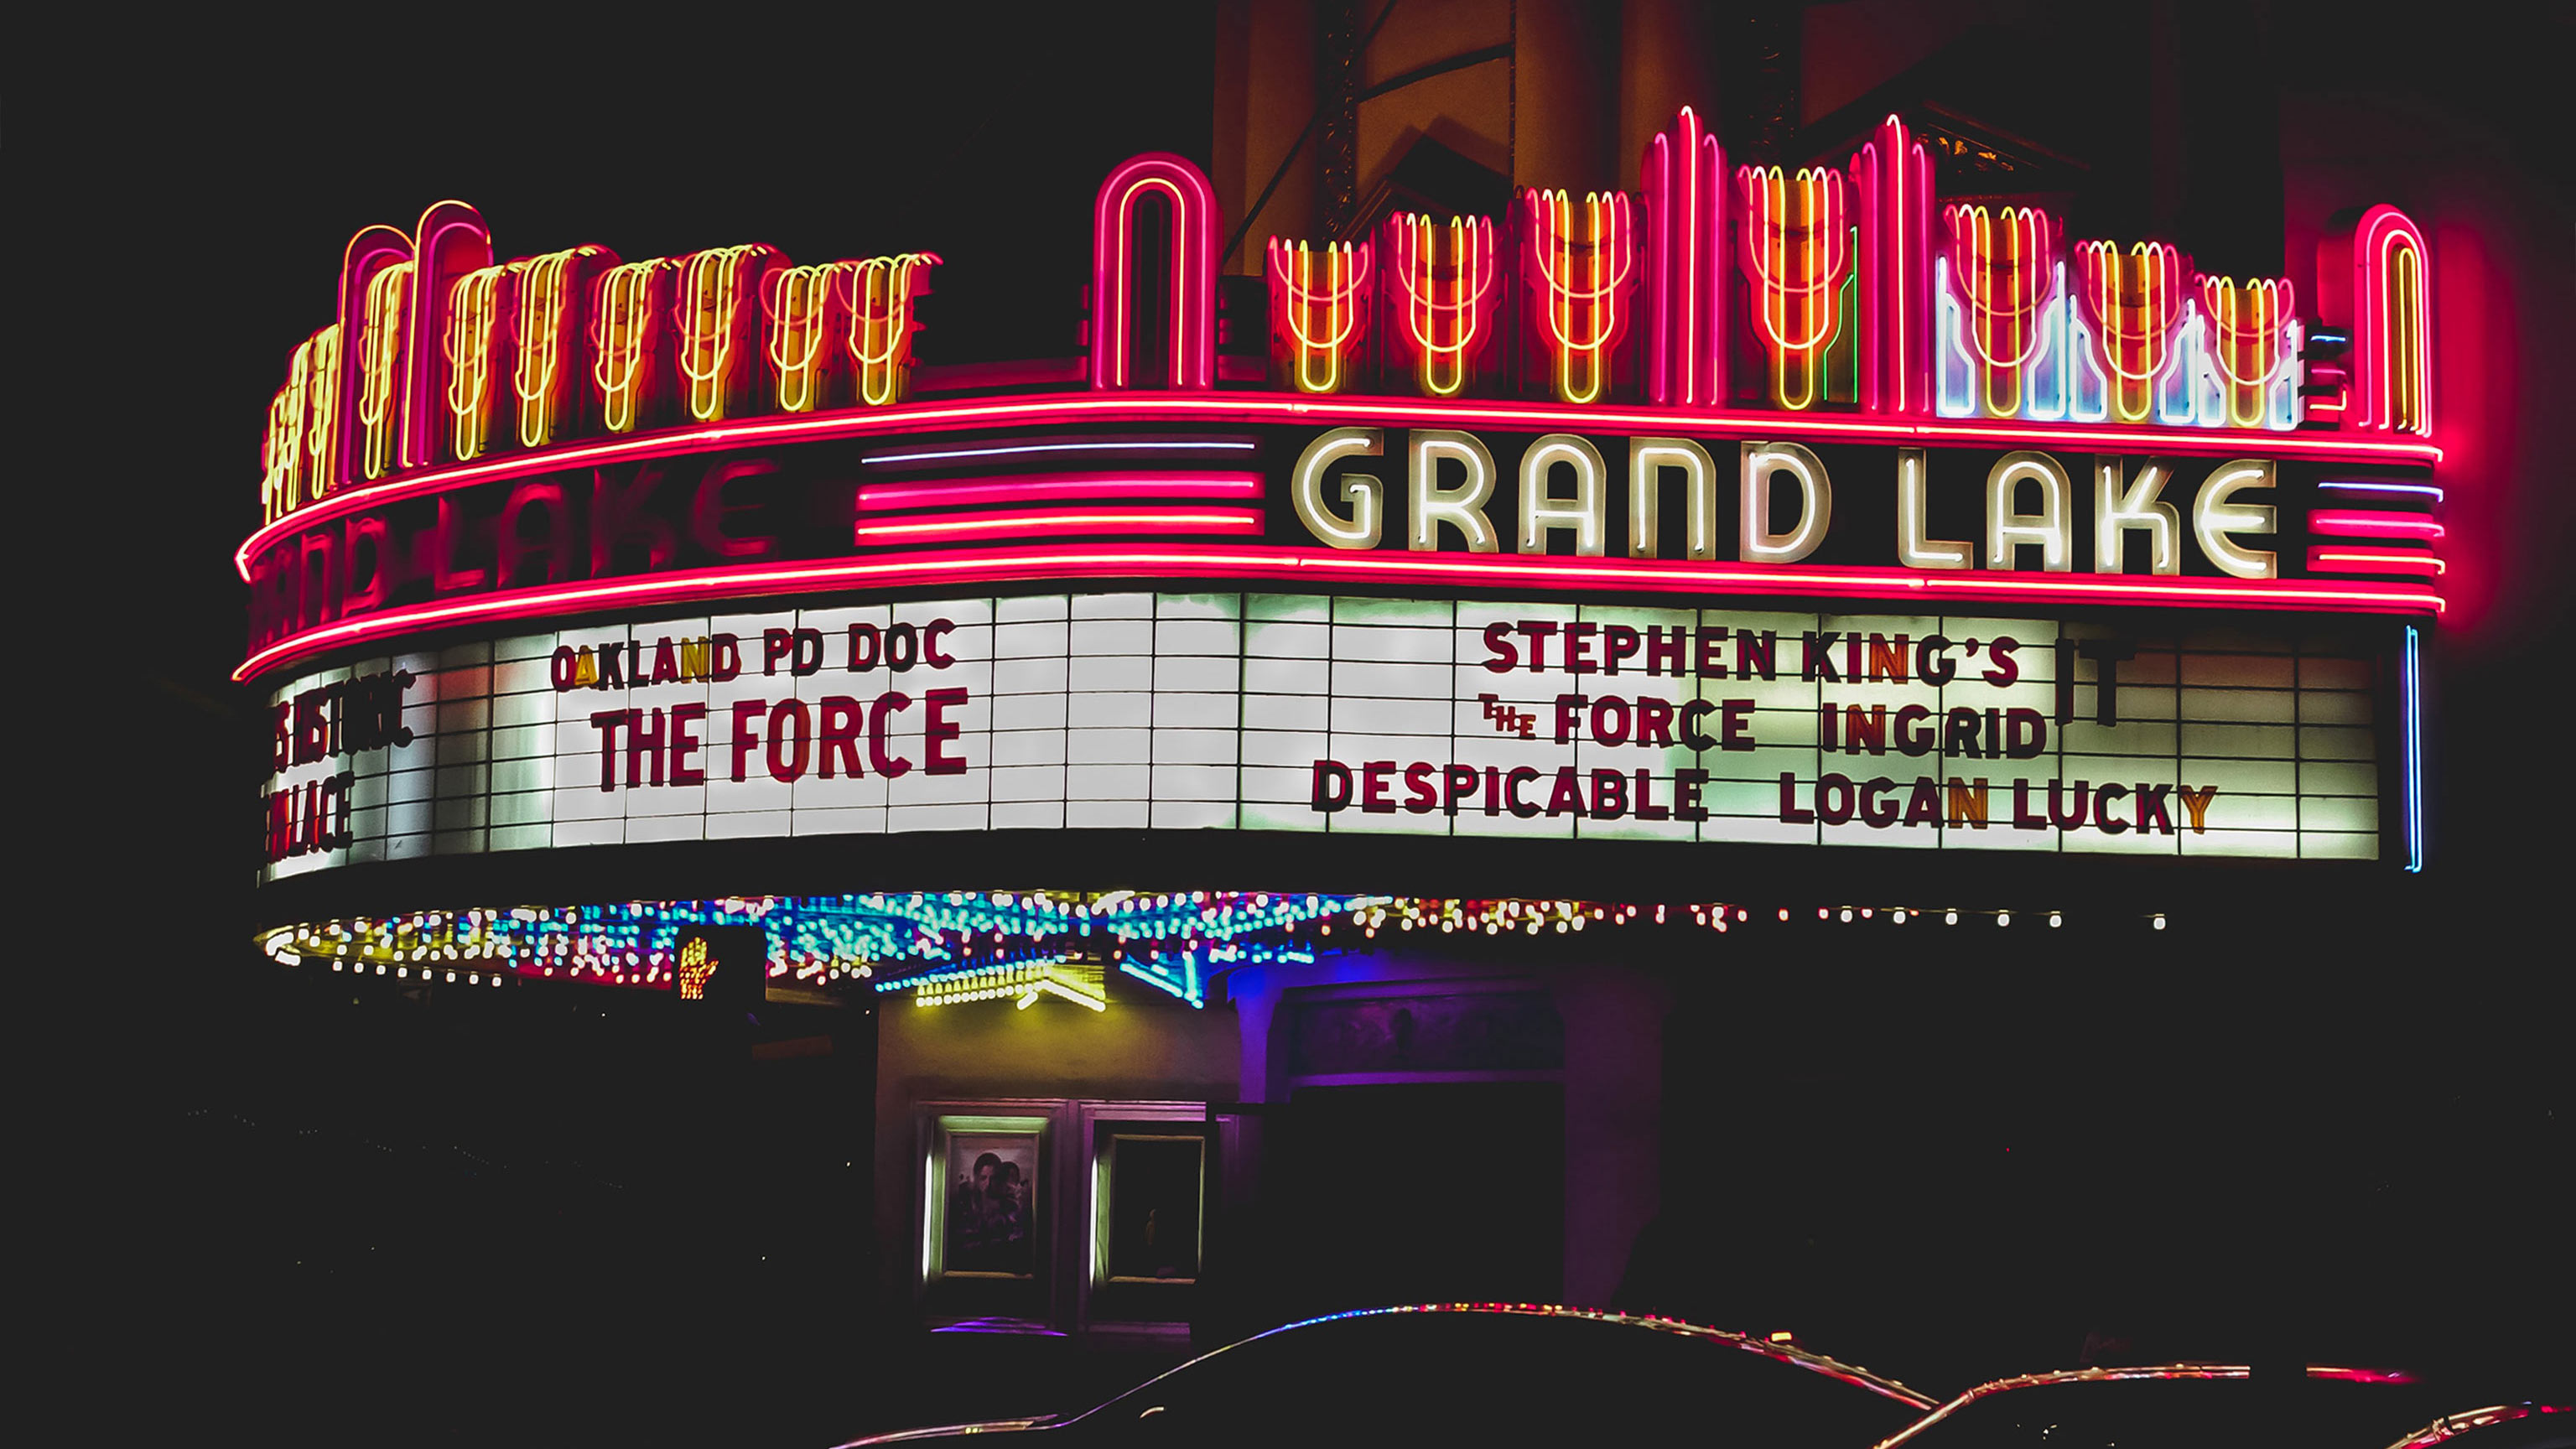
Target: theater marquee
{"points": [[1300, 712], [1747, 507]]}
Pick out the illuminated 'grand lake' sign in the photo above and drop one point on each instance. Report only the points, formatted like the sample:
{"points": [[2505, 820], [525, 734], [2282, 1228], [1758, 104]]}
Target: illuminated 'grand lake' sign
{"points": [[1599, 479]]}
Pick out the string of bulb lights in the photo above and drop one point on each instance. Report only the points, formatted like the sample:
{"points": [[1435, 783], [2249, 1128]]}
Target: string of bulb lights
{"points": [[955, 946]]}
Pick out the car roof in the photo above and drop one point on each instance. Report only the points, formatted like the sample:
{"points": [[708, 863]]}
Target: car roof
{"points": [[1781, 1352], [2451, 1425], [1988, 1389]]}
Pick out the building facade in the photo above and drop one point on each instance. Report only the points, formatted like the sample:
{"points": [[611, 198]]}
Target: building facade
{"points": [[1277, 790]]}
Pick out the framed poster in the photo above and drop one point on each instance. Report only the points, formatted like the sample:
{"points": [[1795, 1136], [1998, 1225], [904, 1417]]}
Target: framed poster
{"points": [[988, 1225], [1153, 1213]]}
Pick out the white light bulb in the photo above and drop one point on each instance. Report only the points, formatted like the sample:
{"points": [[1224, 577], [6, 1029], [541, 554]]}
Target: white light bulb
{"points": [[2003, 918], [2160, 922]]}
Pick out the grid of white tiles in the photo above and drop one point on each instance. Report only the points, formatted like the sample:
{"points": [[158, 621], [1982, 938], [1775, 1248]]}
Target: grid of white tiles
{"points": [[1193, 711]]}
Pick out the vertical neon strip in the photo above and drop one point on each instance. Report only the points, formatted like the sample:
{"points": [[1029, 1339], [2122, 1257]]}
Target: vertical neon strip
{"points": [[929, 1211], [1893, 176], [452, 242], [366, 257], [1683, 173], [1192, 278], [2414, 683], [383, 363]]}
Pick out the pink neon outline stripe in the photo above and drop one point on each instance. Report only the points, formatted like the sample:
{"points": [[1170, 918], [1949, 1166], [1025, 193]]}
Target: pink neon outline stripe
{"points": [[1324, 568], [1030, 522], [1200, 407], [2353, 523], [1042, 487], [2349, 561]]}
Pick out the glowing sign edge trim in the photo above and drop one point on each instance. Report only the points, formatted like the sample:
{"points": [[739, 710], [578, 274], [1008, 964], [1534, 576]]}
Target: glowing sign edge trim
{"points": [[1322, 411], [1324, 568]]}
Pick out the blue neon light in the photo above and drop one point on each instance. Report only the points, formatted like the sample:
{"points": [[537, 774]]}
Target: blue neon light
{"points": [[2414, 706], [2426, 490]]}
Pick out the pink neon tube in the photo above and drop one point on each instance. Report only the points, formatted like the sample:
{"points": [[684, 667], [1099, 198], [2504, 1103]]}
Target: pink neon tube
{"points": [[1201, 408], [1329, 568], [2348, 523], [1044, 522], [1056, 487], [2373, 561]]}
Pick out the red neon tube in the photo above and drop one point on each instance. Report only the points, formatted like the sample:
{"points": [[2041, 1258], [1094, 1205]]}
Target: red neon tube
{"points": [[1044, 522], [2350, 523], [1321, 412], [1056, 487], [1328, 568]]}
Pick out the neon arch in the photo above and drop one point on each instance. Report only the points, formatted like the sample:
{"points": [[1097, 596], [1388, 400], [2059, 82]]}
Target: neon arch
{"points": [[2392, 333], [383, 367], [1683, 175], [450, 242], [1319, 305], [368, 318], [1189, 363], [1795, 230]]}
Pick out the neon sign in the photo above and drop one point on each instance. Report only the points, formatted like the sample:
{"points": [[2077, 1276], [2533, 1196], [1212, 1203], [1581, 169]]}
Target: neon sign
{"points": [[1685, 259], [2001, 284], [1797, 251], [2392, 324], [1127, 350], [1579, 265], [473, 320], [1893, 174], [714, 333], [1320, 304], [547, 327], [1446, 296], [1855, 308], [623, 341], [383, 362], [2137, 302], [883, 292]]}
